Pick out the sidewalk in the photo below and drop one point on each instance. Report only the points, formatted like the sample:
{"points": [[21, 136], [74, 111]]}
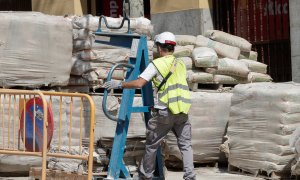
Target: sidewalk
{"points": [[210, 173]]}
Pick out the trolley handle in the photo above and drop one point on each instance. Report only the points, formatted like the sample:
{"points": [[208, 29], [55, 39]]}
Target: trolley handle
{"points": [[106, 91], [111, 27]]}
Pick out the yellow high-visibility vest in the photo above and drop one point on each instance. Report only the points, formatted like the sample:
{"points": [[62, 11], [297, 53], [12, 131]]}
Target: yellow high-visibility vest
{"points": [[175, 93]]}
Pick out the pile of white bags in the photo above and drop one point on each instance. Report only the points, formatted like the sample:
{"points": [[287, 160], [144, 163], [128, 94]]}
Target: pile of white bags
{"points": [[93, 61], [295, 146], [226, 58], [208, 120], [35, 50], [262, 119], [229, 39]]}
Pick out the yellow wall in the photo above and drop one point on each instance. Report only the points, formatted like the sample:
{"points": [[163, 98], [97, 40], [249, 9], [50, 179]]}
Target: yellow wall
{"points": [[93, 10], [161, 6], [60, 7]]}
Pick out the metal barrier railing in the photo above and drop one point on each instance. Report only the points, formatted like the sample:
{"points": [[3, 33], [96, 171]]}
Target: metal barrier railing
{"points": [[80, 106], [10, 124], [69, 117]]}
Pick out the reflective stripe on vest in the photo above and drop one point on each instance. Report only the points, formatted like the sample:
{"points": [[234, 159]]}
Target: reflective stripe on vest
{"points": [[175, 93]]}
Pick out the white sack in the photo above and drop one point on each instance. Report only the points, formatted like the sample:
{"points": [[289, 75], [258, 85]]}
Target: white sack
{"points": [[189, 64], [205, 57], [229, 39], [150, 45], [255, 66], [197, 76], [88, 43], [252, 55], [232, 67], [88, 55], [81, 34], [223, 79], [220, 48], [102, 73], [259, 77], [262, 118], [78, 81], [120, 55], [65, 164], [183, 40], [86, 22], [80, 67], [183, 51], [139, 25], [35, 49]]}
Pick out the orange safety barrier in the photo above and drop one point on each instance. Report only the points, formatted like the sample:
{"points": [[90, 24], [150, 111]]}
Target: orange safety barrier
{"points": [[67, 125], [10, 115]]}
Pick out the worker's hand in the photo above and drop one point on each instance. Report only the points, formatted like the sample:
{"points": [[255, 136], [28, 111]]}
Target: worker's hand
{"points": [[113, 85]]}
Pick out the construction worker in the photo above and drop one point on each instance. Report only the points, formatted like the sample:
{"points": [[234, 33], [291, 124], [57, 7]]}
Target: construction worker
{"points": [[171, 108]]}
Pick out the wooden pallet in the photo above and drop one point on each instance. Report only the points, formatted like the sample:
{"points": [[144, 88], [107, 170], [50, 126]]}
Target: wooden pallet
{"points": [[36, 172], [261, 174]]}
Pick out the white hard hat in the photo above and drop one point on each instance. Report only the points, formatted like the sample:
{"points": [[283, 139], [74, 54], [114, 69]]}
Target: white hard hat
{"points": [[166, 38]]}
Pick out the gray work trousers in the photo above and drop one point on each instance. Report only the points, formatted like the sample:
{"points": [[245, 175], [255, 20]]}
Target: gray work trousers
{"points": [[158, 127]]}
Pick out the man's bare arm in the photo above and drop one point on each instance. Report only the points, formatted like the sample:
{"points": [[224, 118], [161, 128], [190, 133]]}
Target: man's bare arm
{"points": [[139, 83]]}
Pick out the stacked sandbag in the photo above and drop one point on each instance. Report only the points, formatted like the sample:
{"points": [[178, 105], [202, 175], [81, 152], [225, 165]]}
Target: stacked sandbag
{"points": [[197, 76], [93, 61], [65, 164], [84, 58], [222, 49], [150, 46], [227, 58], [35, 50], [184, 47], [207, 68], [222, 70], [295, 146], [184, 51], [139, 25], [208, 120], [258, 71], [229, 39], [262, 119], [232, 67], [252, 55], [227, 70]]}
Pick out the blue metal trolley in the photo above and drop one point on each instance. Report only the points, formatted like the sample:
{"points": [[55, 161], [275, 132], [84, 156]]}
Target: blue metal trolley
{"points": [[138, 61]]}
